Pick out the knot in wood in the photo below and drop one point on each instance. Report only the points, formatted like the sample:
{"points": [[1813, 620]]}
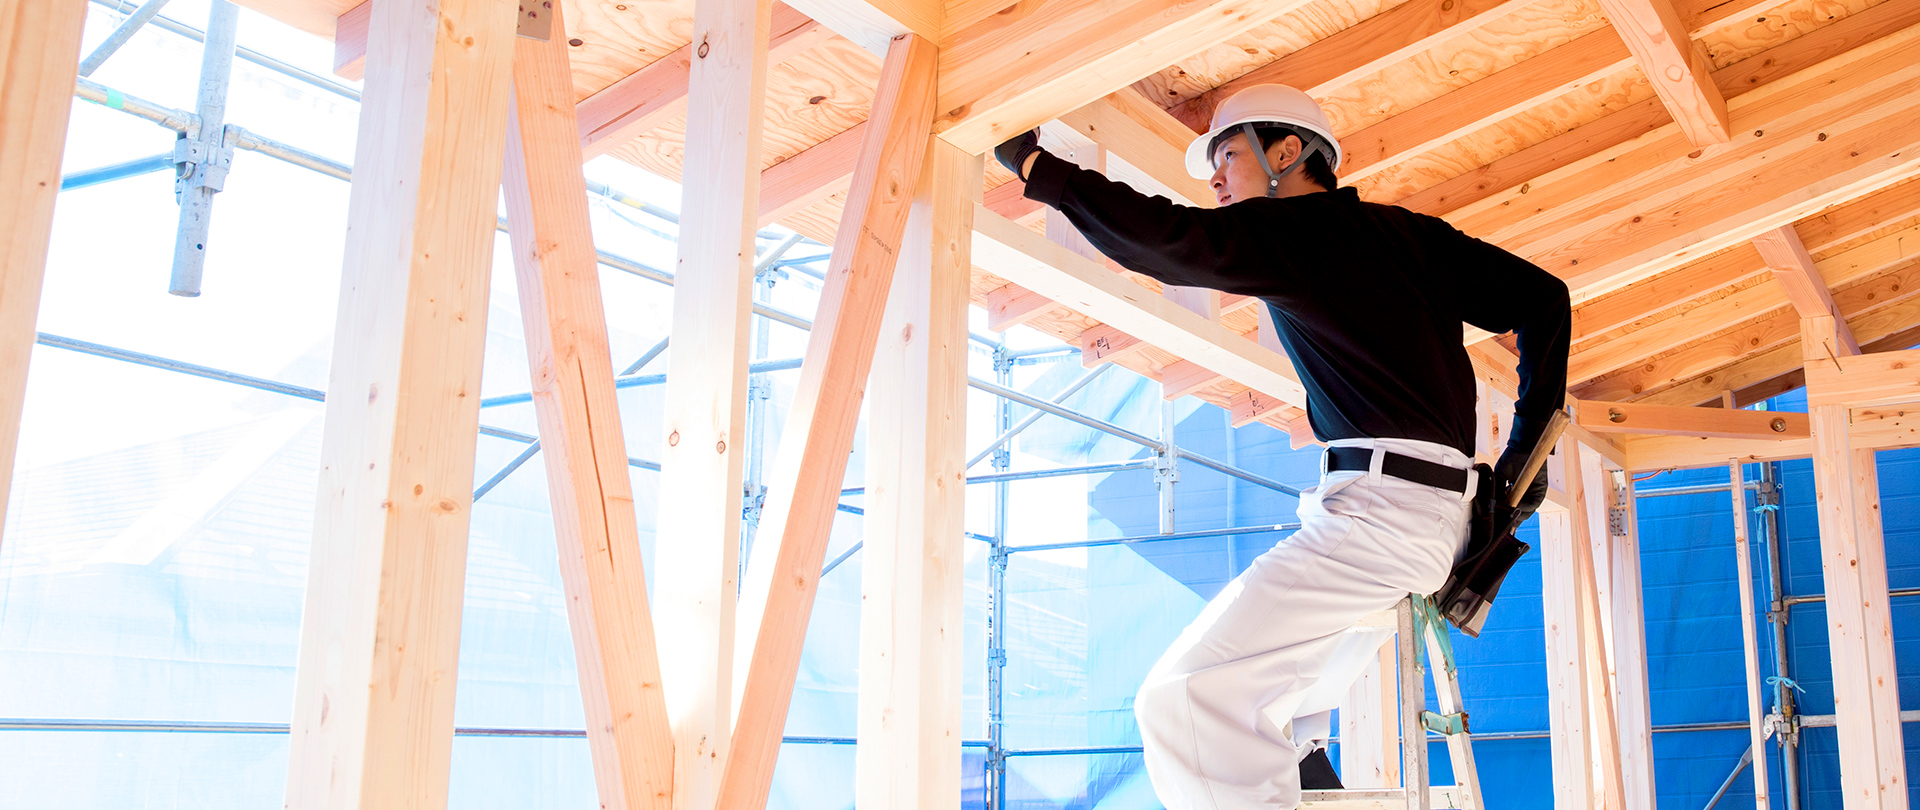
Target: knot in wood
{"points": [[673, 439], [702, 52]]}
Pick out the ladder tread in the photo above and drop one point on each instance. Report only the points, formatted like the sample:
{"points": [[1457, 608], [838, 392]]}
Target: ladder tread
{"points": [[1440, 797]]}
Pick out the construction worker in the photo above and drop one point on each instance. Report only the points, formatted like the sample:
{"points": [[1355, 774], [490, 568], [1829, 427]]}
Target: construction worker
{"points": [[1369, 300]]}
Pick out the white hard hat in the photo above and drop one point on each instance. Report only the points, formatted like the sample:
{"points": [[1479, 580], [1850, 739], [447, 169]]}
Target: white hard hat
{"points": [[1263, 104]]}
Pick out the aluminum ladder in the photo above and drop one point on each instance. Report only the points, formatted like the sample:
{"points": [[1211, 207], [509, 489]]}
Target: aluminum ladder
{"points": [[1415, 621]]}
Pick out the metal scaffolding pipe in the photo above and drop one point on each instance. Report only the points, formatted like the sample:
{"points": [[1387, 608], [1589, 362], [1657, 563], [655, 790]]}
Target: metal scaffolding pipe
{"points": [[1003, 438], [640, 381], [207, 156], [117, 171], [1064, 413], [1155, 538], [128, 27]]}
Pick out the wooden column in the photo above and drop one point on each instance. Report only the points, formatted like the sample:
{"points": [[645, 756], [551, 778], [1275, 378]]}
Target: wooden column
{"points": [[1586, 770], [777, 599], [580, 436], [37, 70], [1616, 555], [1853, 561], [1749, 628], [380, 639], [912, 579], [696, 555]]}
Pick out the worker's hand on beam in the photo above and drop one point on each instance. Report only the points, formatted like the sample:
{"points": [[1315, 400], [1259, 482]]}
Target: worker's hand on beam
{"points": [[1520, 443], [1017, 153]]}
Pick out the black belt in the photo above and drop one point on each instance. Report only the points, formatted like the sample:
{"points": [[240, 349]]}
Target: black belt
{"points": [[1406, 468]]}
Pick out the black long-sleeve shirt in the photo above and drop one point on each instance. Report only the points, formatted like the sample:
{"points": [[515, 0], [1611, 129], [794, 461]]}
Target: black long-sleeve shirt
{"points": [[1368, 299]]}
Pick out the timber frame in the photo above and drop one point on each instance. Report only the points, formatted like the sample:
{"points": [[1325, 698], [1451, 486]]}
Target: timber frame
{"points": [[1728, 188]]}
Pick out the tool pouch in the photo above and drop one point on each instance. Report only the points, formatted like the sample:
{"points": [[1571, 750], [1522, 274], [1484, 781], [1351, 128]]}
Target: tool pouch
{"points": [[1467, 596]]}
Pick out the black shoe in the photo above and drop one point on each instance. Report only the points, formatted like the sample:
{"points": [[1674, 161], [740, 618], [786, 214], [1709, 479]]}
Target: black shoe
{"points": [[1316, 773]]}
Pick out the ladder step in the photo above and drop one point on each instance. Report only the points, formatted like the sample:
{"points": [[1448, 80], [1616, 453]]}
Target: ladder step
{"points": [[1439, 797]]}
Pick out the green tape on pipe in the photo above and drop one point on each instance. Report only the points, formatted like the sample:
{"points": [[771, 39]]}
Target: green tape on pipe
{"points": [[116, 99]]}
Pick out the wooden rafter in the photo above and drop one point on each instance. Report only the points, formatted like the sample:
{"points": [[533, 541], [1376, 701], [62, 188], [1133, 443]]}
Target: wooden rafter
{"points": [[991, 88], [581, 441], [1824, 136], [1351, 53], [1009, 251], [38, 72], [372, 721], [1595, 139], [806, 480]]}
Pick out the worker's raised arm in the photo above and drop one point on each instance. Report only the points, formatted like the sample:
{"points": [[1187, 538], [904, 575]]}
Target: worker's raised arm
{"points": [[1177, 244]]}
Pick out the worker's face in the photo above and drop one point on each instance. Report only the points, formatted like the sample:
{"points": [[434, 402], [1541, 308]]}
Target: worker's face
{"points": [[1237, 174]]}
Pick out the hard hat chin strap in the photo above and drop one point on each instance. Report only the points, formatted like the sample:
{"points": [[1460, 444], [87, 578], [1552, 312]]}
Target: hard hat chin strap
{"points": [[1309, 142]]}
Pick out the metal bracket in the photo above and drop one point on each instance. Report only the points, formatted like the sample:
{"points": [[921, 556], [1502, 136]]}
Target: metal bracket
{"points": [[1448, 724], [1767, 496], [1166, 469], [997, 658], [1617, 521], [201, 164]]}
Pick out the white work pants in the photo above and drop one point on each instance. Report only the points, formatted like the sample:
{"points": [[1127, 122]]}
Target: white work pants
{"points": [[1248, 689]]}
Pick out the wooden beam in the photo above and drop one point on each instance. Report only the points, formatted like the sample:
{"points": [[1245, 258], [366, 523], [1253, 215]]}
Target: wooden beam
{"points": [[1680, 74], [580, 436], [1010, 305], [873, 24], [912, 574], [1854, 568], [1019, 255], [1876, 307], [657, 93], [350, 42], [1494, 98], [1670, 420], [1104, 344], [38, 71], [1801, 280], [805, 492], [379, 654], [1009, 200], [1147, 138], [1725, 309], [1867, 380], [1184, 378], [824, 169], [992, 88], [1602, 235], [1250, 406], [640, 101], [1506, 180], [1890, 428], [1355, 51], [704, 415]]}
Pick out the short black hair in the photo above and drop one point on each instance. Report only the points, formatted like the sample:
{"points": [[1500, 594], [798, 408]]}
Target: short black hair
{"points": [[1317, 169]]}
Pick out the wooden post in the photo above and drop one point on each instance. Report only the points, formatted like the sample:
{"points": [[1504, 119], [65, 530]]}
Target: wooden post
{"points": [[37, 70], [1749, 629], [697, 554], [1586, 760], [912, 580], [380, 639], [1853, 561], [805, 493], [580, 436], [1616, 547]]}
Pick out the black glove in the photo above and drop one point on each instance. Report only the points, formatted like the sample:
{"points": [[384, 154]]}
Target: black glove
{"points": [[1526, 433], [1013, 154]]}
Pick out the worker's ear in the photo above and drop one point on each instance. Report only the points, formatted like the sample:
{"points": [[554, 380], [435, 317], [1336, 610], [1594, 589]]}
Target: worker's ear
{"points": [[1281, 154]]}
